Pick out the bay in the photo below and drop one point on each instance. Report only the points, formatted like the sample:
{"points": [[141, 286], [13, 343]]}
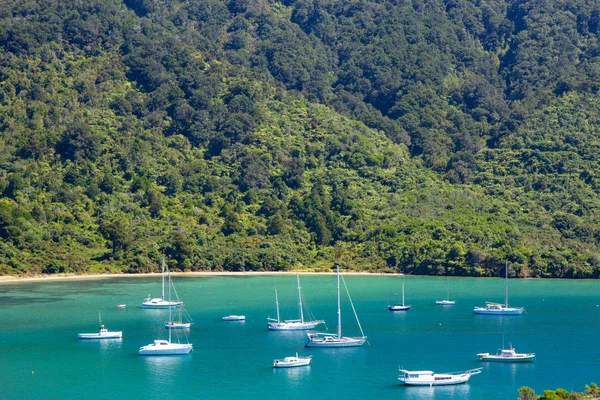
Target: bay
{"points": [[44, 360]]}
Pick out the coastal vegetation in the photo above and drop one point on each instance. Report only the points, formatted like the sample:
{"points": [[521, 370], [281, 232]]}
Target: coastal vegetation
{"points": [[424, 137], [592, 392]]}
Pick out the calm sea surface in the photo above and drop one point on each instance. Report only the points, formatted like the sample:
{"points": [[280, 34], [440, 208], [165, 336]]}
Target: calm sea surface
{"points": [[42, 358]]}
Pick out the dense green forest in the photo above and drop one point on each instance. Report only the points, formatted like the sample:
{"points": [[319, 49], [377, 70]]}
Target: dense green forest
{"points": [[414, 136]]}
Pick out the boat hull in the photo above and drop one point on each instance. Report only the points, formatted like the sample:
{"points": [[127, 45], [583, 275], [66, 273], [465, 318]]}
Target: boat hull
{"points": [[107, 335], [294, 362], [398, 308], [445, 302], [178, 326], [316, 340], [293, 325], [435, 383], [502, 311], [234, 318], [428, 378], [165, 349], [161, 305]]}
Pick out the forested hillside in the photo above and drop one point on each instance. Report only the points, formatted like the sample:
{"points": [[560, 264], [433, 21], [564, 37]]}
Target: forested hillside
{"points": [[423, 136]]}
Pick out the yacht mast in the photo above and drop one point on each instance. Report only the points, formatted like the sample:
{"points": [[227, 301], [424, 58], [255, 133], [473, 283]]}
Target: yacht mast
{"points": [[300, 299], [339, 312]]}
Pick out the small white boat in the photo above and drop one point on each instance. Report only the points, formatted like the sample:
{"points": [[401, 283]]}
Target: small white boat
{"points": [[102, 334], [445, 302], [122, 306], [400, 307], [165, 348], [234, 318], [507, 355], [429, 378], [293, 361]]}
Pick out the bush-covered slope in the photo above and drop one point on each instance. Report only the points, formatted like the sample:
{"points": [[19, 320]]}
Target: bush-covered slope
{"points": [[429, 137]]}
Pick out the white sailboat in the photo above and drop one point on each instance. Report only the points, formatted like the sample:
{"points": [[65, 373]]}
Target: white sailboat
{"points": [[184, 321], [400, 307], [447, 301], [163, 347], [102, 334], [500, 309], [292, 324], [160, 302], [316, 339]]}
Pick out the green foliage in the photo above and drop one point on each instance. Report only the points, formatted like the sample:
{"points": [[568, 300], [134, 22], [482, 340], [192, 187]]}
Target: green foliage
{"points": [[421, 137]]}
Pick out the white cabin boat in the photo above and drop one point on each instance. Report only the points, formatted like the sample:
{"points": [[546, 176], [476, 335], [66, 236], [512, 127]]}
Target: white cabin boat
{"points": [[165, 348], [160, 302], [400, 307], [102, 334], [507, 355], [316, 339], [293, 361], [500, 309], [293, 324], [429, 378], [234, 318]]}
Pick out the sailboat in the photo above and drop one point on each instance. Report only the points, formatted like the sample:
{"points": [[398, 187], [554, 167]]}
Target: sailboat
{"points": [[400, 307], [292, 324], [316, 339], [163, 347], [447, 301], [500, 309], [179, 323], [102, 334], [159, 302]]}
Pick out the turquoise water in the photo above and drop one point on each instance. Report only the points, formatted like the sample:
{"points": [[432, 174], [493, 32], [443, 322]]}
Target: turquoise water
{"points": [[43, 359]]}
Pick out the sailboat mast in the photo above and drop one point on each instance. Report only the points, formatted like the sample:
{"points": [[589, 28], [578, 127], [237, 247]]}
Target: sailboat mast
{"points": [[339, 312], [170, 318], [403, 293], [506, 280], [277, 305], [300, 299], [163, 278]]}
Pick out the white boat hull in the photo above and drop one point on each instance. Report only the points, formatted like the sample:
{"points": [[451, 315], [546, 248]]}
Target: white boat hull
{"points": [[176, 325], [498, 311], [291, 362], [445, 302], [164, 348], [160, 304], [398, 307], [327, 340], [106, 335], [234, 318], [428, 378], [293, 325], [494, 358]]}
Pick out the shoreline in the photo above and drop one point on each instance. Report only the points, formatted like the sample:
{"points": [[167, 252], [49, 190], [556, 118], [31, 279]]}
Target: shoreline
{"points": [[61, 277]]}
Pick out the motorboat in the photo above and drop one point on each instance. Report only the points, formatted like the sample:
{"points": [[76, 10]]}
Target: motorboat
{"points": [[445, 302], [430, 378], [165, 348], [507, 355], [234, 318], [102, 334], [293, 361]]}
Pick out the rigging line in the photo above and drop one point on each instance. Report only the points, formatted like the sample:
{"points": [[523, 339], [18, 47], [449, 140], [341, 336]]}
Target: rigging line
{"points": [[353, 309]]}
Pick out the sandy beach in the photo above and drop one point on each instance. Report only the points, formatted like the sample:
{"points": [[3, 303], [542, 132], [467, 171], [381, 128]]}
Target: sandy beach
{"points": [[55, 277]]}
